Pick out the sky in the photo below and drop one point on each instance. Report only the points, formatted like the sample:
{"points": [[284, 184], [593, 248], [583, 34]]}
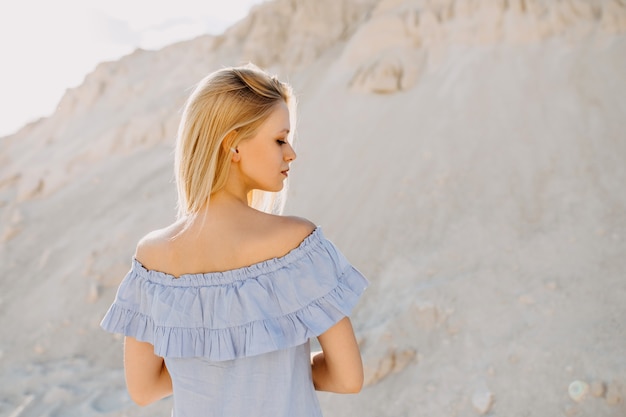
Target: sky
{"points": [[49, 46]]}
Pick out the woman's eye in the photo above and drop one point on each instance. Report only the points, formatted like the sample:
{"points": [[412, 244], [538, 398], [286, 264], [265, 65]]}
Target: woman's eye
{"points": [[281, 142]]}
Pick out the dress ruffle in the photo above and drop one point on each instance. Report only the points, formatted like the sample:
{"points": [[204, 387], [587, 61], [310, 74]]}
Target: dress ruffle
{"points": [[275, 304]]}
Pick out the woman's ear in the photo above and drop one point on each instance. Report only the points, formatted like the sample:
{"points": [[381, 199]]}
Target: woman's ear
{"points": [[227, 145], [235, 156]]}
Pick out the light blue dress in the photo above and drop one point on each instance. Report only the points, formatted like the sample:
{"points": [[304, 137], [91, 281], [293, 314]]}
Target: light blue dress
{"points": [[236, 343]]}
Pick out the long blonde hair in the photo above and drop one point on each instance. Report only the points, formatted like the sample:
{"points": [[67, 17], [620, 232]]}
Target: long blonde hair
{"points": [[225, 108]]}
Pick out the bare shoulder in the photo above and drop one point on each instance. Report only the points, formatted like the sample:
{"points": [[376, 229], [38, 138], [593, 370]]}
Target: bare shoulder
{"points": [[155, 248], [297, 227], [288, 232]]}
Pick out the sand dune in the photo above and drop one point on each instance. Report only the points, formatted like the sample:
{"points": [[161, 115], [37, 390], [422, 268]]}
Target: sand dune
{"points": [[467, 156]]}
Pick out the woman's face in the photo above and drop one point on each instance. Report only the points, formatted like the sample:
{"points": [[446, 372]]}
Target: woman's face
{"points": [[264, 159]]}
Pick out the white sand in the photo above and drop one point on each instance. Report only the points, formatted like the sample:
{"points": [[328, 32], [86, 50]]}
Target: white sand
{"points": [[467, 157]]}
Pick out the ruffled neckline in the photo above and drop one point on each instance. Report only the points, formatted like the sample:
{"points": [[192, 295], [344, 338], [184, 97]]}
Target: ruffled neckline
{"points": [[308, 244], [270, 305]]}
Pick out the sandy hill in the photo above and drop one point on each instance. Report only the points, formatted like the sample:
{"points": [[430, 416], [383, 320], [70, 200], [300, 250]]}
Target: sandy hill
{"points": [[468, 156]]}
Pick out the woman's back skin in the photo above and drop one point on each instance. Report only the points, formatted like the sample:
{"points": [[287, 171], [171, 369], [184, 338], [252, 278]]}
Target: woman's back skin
{"points": [[229, 236]]}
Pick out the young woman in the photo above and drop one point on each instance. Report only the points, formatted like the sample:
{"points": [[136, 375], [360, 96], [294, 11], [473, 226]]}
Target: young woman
{"points": [[218, 308]]}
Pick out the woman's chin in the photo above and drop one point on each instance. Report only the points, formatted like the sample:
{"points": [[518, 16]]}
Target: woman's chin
{"points": [[278, 188], [273, 189]]}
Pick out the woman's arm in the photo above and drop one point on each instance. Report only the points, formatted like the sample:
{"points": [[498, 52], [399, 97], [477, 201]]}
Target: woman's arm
{"points": [[147, 378], [338, 368]]}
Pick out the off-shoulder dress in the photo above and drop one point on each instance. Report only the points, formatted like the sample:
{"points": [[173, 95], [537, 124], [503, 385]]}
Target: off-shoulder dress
{"points": [[236, 343]]}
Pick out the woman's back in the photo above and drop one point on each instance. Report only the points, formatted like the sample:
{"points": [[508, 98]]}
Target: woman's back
{"points": [[273, 384], [230, 237], [282, 378]]}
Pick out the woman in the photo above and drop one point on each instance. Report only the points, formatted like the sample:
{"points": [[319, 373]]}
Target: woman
{"points": [[218, 308]]}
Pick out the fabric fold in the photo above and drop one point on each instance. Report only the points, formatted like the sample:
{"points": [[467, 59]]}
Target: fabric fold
{"points": [[275, 304]]}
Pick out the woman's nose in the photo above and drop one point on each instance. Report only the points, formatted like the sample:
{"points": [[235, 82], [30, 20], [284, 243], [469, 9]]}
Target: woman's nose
{"points": [[290, 154]]}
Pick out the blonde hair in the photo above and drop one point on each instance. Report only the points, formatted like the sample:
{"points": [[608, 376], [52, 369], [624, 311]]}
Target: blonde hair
{"points": [[226, 107]]}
